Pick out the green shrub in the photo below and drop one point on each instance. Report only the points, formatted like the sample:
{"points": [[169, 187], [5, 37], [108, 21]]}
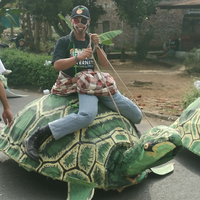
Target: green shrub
{"points": [[28, 69], [192, 61], [192, 65], [190, 96], [142, 46]]}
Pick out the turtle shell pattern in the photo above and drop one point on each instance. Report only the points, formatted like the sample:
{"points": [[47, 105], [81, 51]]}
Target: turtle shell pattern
{"points": [[85, 154], [188, 126]]}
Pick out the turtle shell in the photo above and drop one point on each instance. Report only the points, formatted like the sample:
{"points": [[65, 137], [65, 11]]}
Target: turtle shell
{"points": [[83, 154], [188, 126]]}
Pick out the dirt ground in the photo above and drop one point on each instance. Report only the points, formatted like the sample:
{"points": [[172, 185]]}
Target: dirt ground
{"points": [[155, 85]]}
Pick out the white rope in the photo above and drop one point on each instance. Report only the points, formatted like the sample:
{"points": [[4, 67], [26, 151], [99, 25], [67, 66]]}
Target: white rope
{"points": [[96, 46], [124, 85]]}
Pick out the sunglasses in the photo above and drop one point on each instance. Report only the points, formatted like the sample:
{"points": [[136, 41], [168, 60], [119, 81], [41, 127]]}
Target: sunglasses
{"points": [[82, 20]]}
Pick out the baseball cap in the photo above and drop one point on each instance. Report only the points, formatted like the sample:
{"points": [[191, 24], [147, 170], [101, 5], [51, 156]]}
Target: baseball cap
{"points": [[80, 11]]}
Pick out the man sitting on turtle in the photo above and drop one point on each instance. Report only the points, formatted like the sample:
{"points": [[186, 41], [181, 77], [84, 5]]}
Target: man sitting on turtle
{"points": [[71, 57]]}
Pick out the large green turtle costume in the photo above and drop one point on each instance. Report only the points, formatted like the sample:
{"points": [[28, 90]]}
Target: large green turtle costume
{"points": [[97, 156]]}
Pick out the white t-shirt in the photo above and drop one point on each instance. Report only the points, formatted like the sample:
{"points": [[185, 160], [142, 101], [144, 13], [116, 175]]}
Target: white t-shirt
{"points": [[2, 68]]}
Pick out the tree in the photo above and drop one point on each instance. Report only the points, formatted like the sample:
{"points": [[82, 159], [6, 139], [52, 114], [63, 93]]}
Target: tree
{"points": [[143, 44], [135, 11], [40, 11], [48, 10], [37, 13]]}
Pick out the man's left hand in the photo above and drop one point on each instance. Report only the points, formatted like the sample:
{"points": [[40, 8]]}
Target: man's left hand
{"points": [[95, 38]]}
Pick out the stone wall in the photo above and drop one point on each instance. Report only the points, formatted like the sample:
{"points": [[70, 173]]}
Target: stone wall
{"points": [[127, 37], [164, 22]]}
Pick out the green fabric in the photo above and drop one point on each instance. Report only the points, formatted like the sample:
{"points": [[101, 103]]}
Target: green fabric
{"points": [[5, 22]]}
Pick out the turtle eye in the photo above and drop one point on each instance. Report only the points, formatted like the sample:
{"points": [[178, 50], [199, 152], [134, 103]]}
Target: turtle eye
{"points": [[147, 146]]}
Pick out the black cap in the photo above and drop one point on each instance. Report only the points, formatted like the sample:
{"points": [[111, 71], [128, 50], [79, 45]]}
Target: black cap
{"points": [[80, 11]]}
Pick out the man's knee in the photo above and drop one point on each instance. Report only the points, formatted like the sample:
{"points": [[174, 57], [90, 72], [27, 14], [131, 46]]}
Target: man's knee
{"points": [[87, 118], [138, 117]]}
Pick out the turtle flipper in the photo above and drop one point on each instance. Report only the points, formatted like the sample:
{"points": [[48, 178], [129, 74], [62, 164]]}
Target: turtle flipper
{"points": [[78, 189], [136, 180], [163, 170], [160, 170]]}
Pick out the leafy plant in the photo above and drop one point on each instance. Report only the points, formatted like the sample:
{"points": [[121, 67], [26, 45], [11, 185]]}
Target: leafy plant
{"points": [[28, 70], [106, 38], [66, 20], [11, 19], [190, 96], [192, 61]]}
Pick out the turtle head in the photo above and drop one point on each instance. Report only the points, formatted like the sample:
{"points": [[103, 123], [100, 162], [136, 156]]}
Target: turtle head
{"points": [[156, 146]]}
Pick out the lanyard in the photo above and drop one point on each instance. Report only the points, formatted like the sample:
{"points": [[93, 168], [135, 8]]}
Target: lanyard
{"points": [[75, 64], [75, 76]]}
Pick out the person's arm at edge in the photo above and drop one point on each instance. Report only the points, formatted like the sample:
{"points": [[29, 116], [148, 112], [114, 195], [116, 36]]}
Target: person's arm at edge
{"points": [[7, 115]]}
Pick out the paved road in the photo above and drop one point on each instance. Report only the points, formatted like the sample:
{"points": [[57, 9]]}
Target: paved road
{"points": [[18, 184]]}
